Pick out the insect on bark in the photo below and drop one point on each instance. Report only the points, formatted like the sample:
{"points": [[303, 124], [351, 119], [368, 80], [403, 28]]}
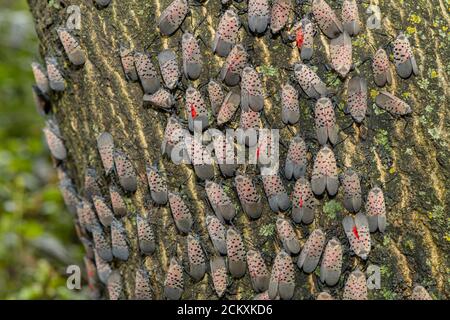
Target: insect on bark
{"points": [[258, 16], [350, 17], [227, 33], [303, 202], [405, 62], [312, 251], [310, 81], [290, 112], [220, 202], [192, 57], [172, 17], [355, 286], [173, 284], [72, 47], [326, 19]]}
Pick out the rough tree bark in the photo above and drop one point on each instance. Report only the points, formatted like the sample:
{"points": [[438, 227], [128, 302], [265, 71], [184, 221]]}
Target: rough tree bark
{"points": [[408, 158]]}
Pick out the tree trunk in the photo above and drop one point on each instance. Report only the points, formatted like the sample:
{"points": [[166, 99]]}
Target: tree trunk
{"points": [[408, 158]]}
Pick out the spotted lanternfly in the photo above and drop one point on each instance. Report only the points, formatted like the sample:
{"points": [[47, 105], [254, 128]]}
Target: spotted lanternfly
{"points": [[173, 135], [227, 33], [103, 268], [215, 95], [70, 195], [117, 202], [392, 104], [128, 63], [197, 263], [219, 275], [265, 152], [54, 140], [357, 98], [217, 233], [352, 190], [248, 196], [224, 151], [325, 173], [101, 243], [192, 57], [200, 157], [303, 202], [251, 90], [310, 81], [146, 236], [350, 17], [86, 215], [105, 146], [146, 72], [330, 269], [311, 252], [233, 66], [287, 236], [115, 285], [259, 274], [125, 171], [56, 80], [263, 296], [41, 101], [324, 296], [180, 212], [40, 77], [196, 111], [102, 3], [173, 16], [355, 286], [280, 15], [228, 109], [249, 124], [91, 187], [161, 99], [142, 286], [290, 113], [104, 212], [325, 119], [376, 210], [420, 293], [405, 62], [92, 277], [168, 66], [282, 278], [258, 15], [296, 161], [358, 234], [72, 47], [119, 241], [173, 284], [326, 19], [236, 253], [304, 32], [380, 67], [275, 192], [341, 54], [220, 202], [157, 184]]}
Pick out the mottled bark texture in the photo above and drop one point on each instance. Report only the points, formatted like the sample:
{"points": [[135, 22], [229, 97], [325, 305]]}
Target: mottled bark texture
{"points": [[408, 158]]}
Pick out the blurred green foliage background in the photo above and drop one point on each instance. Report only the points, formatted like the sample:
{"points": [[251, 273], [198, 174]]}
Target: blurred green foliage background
{"points": [[37, 238]]}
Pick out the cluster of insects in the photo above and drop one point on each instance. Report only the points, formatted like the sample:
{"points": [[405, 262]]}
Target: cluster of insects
{"points": [[99, 223]]}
